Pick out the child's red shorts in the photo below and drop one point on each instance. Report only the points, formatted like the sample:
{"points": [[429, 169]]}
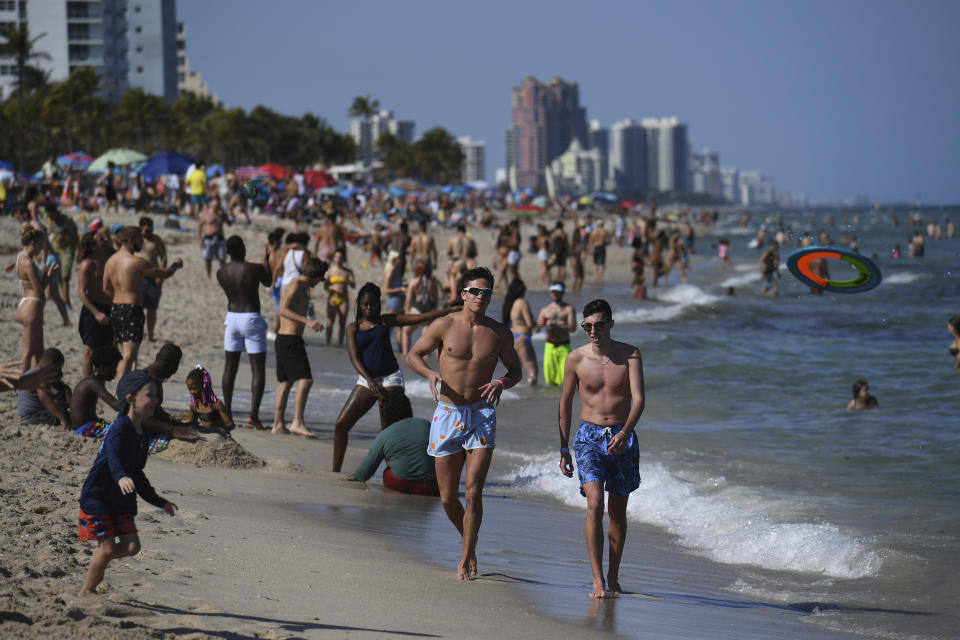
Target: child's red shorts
{"points": [[105, 525]]}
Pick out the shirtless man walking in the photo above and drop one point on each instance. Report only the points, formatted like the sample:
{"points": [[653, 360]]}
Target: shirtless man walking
{"points": [[123, 276], [153, 251], [210, 235], [94, 324], [463, 430], [597, 245], [329, 238], [462, 247], [292, 362], [422, 247], [244, 328], [609, 377]]}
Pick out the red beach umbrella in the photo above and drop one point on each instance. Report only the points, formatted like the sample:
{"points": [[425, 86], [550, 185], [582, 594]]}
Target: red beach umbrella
{"points": [[276, 171]]}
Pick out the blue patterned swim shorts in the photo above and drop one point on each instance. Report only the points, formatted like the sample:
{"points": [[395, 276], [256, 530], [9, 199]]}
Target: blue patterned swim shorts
{"points": [[458, 427], [617, 473]]}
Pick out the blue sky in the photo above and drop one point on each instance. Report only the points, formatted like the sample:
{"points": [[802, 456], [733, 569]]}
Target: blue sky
{"points": [[830, 99]]}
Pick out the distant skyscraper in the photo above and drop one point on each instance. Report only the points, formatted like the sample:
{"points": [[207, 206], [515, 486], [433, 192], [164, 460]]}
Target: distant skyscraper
{"points": [[473, 159], [366, 131], [578, 170], [189, 80], [731, 183], [628, 157], [755, 189], [546, 117], [705, 171], [128, 44], [669, 153], [600, 140]]}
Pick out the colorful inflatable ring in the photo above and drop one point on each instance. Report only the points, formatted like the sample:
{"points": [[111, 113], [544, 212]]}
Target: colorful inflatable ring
{"points": [[868, 275]]}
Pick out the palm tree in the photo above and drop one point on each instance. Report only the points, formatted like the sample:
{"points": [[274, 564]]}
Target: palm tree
{"points": [[365, 107], [18, 45]]}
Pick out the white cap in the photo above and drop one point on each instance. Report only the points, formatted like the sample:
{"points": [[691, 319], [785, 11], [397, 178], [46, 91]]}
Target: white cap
{"points": [[557, 286]]}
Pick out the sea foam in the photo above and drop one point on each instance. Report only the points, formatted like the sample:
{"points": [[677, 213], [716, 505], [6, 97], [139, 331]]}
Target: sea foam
{"points": [[902, 277], [680, 298], [728, 524]]}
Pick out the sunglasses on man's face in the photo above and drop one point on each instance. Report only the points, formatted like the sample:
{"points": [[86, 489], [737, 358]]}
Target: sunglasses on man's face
{"points": [[477, 291], [599, 326]]}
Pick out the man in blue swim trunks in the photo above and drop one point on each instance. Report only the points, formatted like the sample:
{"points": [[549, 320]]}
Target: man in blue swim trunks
{"points": [[609, 376], [463, 429]]}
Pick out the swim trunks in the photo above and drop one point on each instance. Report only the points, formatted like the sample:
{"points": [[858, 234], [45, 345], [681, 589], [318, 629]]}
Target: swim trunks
{"points": [[198, 199], [458, 427], [150, 294], [292, 361], [92, 333], [600, 255], [127, 321], [617, 473], [104, 525], [214, 248], [275, 291], [92, 429], [413, 487], [554, 358], [394, 379], [245, 331]]}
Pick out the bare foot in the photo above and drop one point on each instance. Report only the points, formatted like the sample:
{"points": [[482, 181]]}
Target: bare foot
{"points": [[301, 430], [279, 428], [615, 588], [599, 591], [463, 573], [256, 424], [83, 593]]}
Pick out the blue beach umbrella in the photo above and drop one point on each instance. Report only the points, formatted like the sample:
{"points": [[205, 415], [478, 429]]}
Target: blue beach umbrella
{"points": [[6, 165], [166, 163]]}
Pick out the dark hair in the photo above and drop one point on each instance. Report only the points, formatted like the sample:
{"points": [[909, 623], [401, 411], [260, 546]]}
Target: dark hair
{"points": [[275, 236], [955, 323], [395, 407], [858, 386], [53, 356], [105, 355], [476, 274], [423, 225], [196, 376], [86, 245], [559, 225], [292, 237], [404, 226], [369, 289], [314, 267], [145, 221], [303, 238], [515, 290], [236, 248], [462, 228], [598, 306], [127, 233], [170, 353]]}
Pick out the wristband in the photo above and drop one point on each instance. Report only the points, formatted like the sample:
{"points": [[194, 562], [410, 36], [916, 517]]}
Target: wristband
{"points": [[502, 386], [564, 450]]}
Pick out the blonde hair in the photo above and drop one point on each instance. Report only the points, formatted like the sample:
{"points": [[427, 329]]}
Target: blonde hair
{"points": [[29, 234]]}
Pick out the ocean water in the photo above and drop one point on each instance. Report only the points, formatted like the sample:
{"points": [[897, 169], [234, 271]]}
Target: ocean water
{"points": [[748, 457]]}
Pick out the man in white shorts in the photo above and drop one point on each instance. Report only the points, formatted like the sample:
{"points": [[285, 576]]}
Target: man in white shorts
{"points": [[244, 327]]}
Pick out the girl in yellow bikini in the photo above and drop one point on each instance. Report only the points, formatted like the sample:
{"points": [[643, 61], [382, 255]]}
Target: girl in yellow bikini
{"points": [[338, 279]]}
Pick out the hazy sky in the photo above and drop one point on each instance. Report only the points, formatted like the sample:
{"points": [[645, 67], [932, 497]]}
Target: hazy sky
{"points": [[830, 98]]}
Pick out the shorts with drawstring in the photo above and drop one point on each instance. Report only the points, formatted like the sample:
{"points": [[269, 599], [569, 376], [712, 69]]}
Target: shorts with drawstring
{"points": [[617, 473]]}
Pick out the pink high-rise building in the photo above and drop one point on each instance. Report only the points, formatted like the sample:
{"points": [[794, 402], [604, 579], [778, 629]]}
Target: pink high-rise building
{"points": [[546, 117]]}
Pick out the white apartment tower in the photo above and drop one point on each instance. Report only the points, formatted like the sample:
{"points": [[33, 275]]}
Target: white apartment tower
{"points": [[628, 158], [668, 154], [474, 152], [129, 43]]}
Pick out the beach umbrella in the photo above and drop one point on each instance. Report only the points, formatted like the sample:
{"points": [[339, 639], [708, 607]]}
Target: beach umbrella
{"points": [[164, 164], [528, 210], [76, 159], [215, 170], [250, 172], [346, 193], [276, 171], [6, 165], [606, 197], [318, 179], [586, 200], [328, 191], [479, 185], [539, 201], [6, 176], [119, 157], [628, 204]]}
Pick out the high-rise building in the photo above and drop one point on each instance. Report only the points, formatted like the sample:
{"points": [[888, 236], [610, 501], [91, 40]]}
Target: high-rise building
{"points": [[731, 183], [189, 80], [599, 139], [366, 131], [129, 43], [628, 157], [545, 118], [705, 172], [668, 154], [755, 189], [473, 159], [578, 170]]}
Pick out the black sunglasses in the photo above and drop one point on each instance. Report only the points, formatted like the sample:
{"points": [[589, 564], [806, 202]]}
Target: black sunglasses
{"points": [[477, 291], [599, 326]]}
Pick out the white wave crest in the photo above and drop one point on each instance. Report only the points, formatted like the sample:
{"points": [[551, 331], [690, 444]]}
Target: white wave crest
{"points": [[728, 524], [902, 277]]}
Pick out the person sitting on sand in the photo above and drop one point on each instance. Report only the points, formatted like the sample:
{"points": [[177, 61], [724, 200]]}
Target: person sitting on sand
{"points": [[49, 404], [293, 366], [206, 411], [12, 380], [90, 390], [403, 444], [161, 423], [861, 397], [108, 501]]}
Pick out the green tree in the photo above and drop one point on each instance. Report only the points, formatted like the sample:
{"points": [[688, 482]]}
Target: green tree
{"points": [[437, 157], [18, 45], [397, 156], [138, 113], [364, 107]]}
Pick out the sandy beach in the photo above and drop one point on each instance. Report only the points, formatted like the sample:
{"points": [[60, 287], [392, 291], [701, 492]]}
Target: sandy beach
{"points": [[268, 544]]}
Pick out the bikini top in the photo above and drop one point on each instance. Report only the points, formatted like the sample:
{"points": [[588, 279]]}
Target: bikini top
{"points": [[36, 269], [337, 280]]}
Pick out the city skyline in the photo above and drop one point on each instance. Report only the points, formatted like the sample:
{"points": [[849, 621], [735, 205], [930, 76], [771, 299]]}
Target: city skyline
{"points": [[830, 100]]}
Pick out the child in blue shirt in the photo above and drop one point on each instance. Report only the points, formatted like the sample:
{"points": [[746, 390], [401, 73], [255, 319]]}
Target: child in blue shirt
{"points": [[108, 501]]}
